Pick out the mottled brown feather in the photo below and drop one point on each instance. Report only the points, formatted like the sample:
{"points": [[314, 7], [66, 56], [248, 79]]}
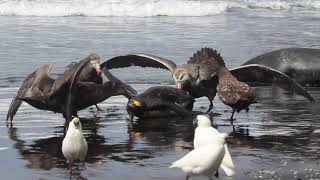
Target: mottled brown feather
{"points": [[232, 92]]}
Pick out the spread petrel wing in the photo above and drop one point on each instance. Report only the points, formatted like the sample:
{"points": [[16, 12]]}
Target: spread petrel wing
{"points": [[72, 88], [68, 75], [262, 74], [62, 96], [26, 88], [139, 59]]}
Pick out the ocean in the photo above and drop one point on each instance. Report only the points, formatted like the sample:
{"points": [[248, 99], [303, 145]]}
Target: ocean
{"points": [[276, 139]]}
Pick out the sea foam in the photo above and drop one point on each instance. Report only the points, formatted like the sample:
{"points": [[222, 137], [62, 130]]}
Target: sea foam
{"points": [[142, 8]]}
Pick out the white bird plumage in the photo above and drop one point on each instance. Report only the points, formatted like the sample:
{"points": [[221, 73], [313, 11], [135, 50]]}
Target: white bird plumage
{"points": [[204, 160], [74, 145], [206, 134]]}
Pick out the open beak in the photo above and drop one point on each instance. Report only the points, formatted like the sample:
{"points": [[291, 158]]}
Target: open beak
{"points": [[98, 70]]}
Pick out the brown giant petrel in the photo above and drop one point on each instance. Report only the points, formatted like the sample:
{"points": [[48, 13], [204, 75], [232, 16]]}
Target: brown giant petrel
{"points": [[196, 78]]}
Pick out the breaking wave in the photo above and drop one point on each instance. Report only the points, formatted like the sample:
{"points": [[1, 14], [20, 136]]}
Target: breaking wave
{"points": [[142, 8]]}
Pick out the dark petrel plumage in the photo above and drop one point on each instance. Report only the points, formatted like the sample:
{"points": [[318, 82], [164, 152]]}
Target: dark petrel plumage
{"points": [[91, 73], [46, 93], [196, 77], [188, 76], [238, 95], [235, 93], [84, 93]]}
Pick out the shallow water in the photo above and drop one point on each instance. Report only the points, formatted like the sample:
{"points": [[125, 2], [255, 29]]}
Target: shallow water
{"points": [[275, 139]]}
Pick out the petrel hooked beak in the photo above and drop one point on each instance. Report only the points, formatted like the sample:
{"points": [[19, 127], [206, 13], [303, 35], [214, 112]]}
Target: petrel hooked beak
{"points": [[179, 85], [98, 69]]}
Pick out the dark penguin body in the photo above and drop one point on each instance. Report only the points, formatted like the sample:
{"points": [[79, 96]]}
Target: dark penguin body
{"points": [[160, 101]]}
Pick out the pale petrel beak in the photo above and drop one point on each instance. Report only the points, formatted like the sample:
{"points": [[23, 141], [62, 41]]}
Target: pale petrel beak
{"points": [[179, 85], [98, 70]]}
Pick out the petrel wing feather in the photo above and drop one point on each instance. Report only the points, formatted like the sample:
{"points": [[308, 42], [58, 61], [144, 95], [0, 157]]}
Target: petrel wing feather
{"points": [[139, 59], [73, 89], [25, 89], [256, 73]]}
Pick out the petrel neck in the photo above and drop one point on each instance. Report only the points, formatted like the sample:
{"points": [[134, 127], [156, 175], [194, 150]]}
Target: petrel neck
{"points": [[223, 71], [224, 74], [112, 88]]}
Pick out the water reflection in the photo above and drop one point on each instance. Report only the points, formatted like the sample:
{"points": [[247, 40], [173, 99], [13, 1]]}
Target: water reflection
{"points": [[164, 131], [275, 125]]}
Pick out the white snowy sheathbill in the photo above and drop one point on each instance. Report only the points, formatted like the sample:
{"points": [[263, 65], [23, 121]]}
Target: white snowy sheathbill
{"points": [[205, 160], [205, 134], [74, 145]]}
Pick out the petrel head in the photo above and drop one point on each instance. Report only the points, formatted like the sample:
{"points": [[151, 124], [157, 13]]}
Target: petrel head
{"points": [[95, 63]]}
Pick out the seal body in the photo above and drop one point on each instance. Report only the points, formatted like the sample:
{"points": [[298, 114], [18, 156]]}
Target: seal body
{"points": [[301, 64]]}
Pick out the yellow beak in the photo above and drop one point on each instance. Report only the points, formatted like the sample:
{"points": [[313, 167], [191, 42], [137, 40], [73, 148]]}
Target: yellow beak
{"points": [[137, 103]]}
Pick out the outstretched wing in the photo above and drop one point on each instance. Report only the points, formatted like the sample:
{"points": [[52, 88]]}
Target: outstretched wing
{"points": [[68, 75], [72, 88], [62, 97], [261, 74], [139, 59], [25, 88]]}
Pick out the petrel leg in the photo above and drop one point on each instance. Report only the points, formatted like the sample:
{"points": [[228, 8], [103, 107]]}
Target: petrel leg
{"points": [[98, 108], [217, 174], [231, 119], [211, 105], [187, 177]]}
